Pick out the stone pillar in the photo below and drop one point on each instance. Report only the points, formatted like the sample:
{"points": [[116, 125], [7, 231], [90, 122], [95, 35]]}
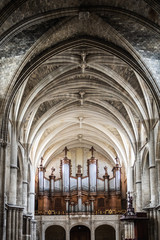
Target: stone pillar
{"points": [[32, 193], [13, 223], [27, 227], [9, 216], [16, 223], [152, 169], [20, 224], [151, 224], [138, 184], [3, 146], [117, 231], [32, 202], [43, 232], [13, 166], [33, 233], [68, 230], [155, 224], [158, 221], [25, 184], [92, 230], [158, 180]]}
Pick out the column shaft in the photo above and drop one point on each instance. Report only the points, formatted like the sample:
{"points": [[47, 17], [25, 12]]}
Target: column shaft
{"points": [[13, 170], [67, 232], [20, 224], [138, 185], [3, 146], [117, 232], [16, 223], [152, 168], [13, 224], [9, 218]]}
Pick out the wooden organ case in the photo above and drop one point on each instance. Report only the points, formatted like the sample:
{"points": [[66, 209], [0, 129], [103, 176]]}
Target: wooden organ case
{"points": [[78, 194]]}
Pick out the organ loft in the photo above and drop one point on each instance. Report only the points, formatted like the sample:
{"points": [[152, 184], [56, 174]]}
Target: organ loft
{"points": [[79, 193]]}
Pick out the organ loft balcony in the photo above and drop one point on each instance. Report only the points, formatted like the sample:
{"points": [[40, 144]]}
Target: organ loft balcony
{"points": [[80, 194]]}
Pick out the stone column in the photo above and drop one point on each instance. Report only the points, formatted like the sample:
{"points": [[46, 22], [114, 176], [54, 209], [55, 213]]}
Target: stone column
{"points": [[13, 166], [33, 235], [155, 224], [138, 184], [68, 230], [158, 221], [152, 168], [32, 193], [43, 232], [117, 231], [32, 202], [158, 180], [13, 223], [9, 218], [3, 146], [25, 183], [16, 223], [151, 224], [20, 224], [92, 230]]}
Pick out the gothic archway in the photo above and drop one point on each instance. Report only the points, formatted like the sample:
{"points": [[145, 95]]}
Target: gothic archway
{"points": [[105, 232], [80, 232], [55, 232]]}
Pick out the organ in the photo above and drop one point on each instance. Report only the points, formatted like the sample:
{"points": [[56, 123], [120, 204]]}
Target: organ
{"points": [[78, 194]]}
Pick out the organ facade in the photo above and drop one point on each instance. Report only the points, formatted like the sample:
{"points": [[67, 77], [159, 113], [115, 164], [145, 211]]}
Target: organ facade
{"points": [[79, 194]]}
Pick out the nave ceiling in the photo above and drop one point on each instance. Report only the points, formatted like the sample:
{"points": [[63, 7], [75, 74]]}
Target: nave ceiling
{"points": [[81, 76]]}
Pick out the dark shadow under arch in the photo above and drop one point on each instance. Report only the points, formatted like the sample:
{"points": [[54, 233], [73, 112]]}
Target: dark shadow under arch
{"points": [[105, 232], [55, 232], [80, 232]]}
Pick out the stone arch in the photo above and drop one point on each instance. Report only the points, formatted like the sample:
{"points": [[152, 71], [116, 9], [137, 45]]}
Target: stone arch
{"points": [[49, 224], [55, 230], [105, 231]]}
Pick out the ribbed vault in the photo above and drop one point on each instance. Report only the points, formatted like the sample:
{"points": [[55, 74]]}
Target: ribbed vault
{"points": [[80, 77]]}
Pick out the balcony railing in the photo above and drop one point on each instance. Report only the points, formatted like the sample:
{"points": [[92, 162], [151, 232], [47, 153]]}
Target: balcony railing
{"points": [[98, 212]]}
